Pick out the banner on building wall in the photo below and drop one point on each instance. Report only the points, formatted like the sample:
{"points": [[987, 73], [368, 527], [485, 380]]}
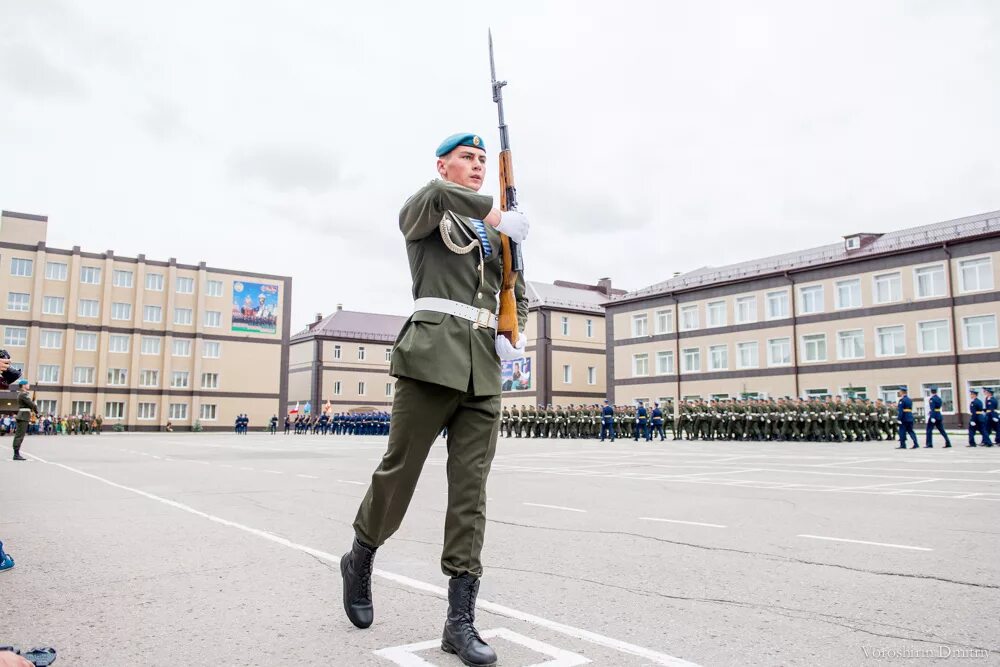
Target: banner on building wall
{"points": [[255, 307], [515, 375]]}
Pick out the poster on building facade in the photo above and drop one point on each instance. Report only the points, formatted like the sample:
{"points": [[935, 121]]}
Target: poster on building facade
{"points": [[515, 375], [255, 307]]}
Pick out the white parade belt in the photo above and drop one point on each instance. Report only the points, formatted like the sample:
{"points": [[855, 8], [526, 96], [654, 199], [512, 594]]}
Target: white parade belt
{"points": [[480, 317]]}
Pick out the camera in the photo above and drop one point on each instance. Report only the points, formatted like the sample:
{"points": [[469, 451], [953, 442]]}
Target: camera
{"points": [[11, 375]]}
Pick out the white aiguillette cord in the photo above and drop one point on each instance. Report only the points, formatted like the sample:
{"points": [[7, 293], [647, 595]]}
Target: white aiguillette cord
{"points": [[445, 228]]}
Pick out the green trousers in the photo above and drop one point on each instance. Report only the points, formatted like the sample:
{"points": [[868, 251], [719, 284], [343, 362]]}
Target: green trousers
{"points": [[419, 411], [19, 430]]}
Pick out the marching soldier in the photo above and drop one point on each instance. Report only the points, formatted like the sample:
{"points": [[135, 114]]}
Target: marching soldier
{"points": [[904, 407], [642, 416], [25, 408], [447, 363], [977, 419], [607, 421], [992, 419], [935, 420], [657, 424]]}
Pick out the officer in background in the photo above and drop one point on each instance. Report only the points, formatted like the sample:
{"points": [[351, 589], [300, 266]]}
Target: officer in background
{"points": [[657, 424], [642, 417], [25, 408], [607, 421], [992, 419], [904, 408], [935, 420], [977, 419]]}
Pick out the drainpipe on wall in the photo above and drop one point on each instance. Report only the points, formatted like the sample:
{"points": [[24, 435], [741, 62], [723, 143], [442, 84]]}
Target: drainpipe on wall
{"points": [[677, 349], [956, 393], [795, 333]]}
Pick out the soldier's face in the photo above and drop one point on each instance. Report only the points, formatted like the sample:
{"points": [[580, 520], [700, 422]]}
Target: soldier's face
{"points": [[465, 166]]}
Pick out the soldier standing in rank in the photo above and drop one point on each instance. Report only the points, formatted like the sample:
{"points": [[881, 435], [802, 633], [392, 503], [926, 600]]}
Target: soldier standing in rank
{"points": [[992, 418], [25, 408], [515, 418], [447, 363], [935, 420], [904, 407], [977, 419], [505, 422]]}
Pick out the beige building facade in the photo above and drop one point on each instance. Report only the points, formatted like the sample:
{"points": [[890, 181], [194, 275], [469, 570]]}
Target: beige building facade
{"points": [[918, 307], [142, 342]]}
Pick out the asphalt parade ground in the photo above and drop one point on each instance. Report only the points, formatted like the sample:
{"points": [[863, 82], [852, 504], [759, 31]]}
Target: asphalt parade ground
{"points": [[216, 549]]}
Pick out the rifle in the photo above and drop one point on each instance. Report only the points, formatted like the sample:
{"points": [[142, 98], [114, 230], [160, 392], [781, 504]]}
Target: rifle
{"points": [[510, 251]]}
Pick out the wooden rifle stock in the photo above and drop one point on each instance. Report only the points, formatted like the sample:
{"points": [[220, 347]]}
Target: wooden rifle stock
{"points": [[507, 319]]}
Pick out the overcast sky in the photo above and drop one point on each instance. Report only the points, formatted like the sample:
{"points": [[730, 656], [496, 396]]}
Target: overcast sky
{"points": [[648, 137]]}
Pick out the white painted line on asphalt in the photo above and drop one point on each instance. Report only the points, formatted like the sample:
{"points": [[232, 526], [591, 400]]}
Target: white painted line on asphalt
{"points": [[969, 495], [406, 656], [306, 476], [348, 481], [273, 472], [245, 468], [155, 456], [877, 544], [555, 507], [227, 465], [688, 523], [501, 610]]}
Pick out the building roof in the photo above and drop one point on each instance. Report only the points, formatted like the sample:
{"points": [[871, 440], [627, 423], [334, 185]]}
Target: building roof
{"points": [[567, 295], [355, 325], [890, 243]]}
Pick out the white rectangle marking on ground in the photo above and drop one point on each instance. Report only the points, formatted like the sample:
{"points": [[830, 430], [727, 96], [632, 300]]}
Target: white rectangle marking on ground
{"points": [[687, 523], [406, 656], [348, 481], [306, 476], [578, 633], [555, 507], [877, 544]]}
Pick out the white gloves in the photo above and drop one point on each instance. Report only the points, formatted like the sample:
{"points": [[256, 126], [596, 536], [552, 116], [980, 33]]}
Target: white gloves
{"points": [[514, 224], [508, 352]]}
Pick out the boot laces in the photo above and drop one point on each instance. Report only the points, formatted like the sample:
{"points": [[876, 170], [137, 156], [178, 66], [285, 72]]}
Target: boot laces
{"points": [[365, 566]]}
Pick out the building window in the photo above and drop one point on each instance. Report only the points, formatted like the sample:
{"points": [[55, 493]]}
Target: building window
{"points": [[86, 342], [185, 285], [664, 362], [746, 309], [888, 288], [361, 389], [121, 278], [777, 305], [152, 314], [888, 392], [976, 274], [50, 339], [336, 388], [88, 308], [689, 318], [81, 407], [55, 271], [182, 347], [591, 375], [849, 294], [208, 412], [590, 328], [980, 332], [748, 355], [53, 305], [388, 389], [692, 359], [851, 344], [567, 374], [388, 354], [18, 301], [640, 365], [209, 380], [639, 325], [90, 275], [121, 311], [46, 406], [178, 411], [564, 323], [336, 352], [15, 336], [154, 282], [83, 375], [929, 281], [118, 342], [361, 353], [933, 337], [814, 347], [211, 349], [817, 393], [48, 374], [114, 409], [150, 345], [664, 321], [945, 392], [716, 311], [180, 379], [117, 377], [890, 341], [718, 357], [147, 411], [149, 378], [811, 299], [213, 288], [213, 319], [183, 316], [20, 267]]}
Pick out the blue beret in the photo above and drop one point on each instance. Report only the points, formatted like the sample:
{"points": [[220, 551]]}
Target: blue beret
{"points": [[22, 381], [461, 139]]}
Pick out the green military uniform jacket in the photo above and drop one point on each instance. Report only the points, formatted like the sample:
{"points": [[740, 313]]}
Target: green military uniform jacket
{"points": [[439, 348], [25, 406]]}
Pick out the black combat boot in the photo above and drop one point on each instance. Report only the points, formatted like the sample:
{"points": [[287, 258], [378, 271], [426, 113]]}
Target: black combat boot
{"points": [[17, 453], [356, 569], [460, 635]]}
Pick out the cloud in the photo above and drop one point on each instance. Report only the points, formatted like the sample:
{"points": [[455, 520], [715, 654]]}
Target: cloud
{"points": [[285, 169], [28, 70]]}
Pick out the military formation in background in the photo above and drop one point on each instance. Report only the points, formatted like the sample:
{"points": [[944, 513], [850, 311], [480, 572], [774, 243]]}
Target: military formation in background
{"points": [[364, 423]]}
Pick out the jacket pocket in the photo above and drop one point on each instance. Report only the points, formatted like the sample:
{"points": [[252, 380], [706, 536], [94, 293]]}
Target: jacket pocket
{"points": [[428, 316]]}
